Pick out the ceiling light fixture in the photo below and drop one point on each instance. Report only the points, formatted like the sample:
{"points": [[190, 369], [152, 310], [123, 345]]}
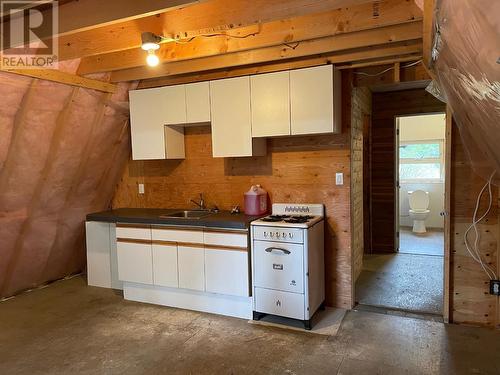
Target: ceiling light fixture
{"points": [[151, 43]]}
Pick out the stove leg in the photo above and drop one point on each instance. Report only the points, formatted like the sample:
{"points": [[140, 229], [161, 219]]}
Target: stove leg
{"points": [[307, 325], [257, 315]]}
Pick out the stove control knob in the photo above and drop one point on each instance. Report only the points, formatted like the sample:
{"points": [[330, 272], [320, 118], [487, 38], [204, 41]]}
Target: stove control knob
{"points": [[265, 234], [277, 234], [290, 235], [271, 234], [284, 235]]}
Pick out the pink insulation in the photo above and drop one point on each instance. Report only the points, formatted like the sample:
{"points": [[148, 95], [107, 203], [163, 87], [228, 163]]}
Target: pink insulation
{"points": [[467, 67], [62, 151]]}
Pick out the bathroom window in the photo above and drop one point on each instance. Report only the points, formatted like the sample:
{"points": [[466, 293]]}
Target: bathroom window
{"points": [[421, 161]]}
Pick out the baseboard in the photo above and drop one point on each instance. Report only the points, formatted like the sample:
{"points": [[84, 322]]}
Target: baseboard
{"points": [[238, 307]]}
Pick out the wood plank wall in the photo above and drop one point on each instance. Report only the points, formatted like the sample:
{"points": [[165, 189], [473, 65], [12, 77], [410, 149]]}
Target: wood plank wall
{"points": [[386, 106], [470, 300], [296, 169], [361, 109]]}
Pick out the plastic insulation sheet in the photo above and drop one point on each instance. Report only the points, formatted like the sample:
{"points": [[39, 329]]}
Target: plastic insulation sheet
{"points": [[62, 151], [467, 67]]}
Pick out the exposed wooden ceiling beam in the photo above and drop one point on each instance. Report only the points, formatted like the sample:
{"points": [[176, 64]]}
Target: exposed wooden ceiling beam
{"points": [[84, 15], [206, 17], [361, 39], [272, 33], [65, 78], [264, 68], [428, 31]]}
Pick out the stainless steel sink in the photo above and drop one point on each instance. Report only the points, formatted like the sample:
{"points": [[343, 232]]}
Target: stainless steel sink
{"points": [[186, 214]]}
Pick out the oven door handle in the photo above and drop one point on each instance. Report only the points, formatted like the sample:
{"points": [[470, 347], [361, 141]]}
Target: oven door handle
{"points": [[271, 249]]}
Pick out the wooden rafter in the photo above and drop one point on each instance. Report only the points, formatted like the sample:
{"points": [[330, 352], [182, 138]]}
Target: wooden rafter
{"points": [[206, 17], [76, 17], [65, 78], [428, 31], [409, 34], [290, 31]]}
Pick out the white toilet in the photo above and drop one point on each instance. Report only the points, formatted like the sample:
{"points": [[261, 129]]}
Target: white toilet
{"points": [[419, 209]]}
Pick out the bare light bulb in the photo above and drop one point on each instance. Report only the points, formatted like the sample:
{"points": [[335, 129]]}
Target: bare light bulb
{"points": [[152, 59]]}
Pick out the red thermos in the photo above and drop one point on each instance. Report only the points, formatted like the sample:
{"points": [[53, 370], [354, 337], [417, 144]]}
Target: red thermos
{"points": [[256, 201]]}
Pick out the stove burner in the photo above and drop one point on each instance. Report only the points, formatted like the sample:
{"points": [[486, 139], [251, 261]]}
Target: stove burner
{"points": [[297, 220], [275, 218]]}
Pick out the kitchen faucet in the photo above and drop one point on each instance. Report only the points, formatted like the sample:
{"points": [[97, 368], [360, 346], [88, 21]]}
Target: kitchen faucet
{"points": [[201, 203]]}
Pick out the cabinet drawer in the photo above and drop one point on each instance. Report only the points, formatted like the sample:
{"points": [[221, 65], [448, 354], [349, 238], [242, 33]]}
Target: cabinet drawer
{"points": [[165, 265], [278, 266], [290, 305], [177, 235], [225, 238], [226, 272], [135, 262], [133, 232]]}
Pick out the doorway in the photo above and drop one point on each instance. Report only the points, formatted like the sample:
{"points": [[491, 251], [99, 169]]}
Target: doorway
{"points": [[410, 277]]}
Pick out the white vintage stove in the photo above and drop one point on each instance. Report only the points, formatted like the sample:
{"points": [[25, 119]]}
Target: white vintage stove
{"points": [[288, 262]]}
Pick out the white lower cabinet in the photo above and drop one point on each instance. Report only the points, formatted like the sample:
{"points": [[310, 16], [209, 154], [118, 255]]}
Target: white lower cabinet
{"points": [[135, 263], [226, 271], [165, 265], [191, 263]]}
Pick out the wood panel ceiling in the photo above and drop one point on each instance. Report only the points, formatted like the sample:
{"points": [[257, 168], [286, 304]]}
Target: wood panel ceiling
{"points": [[236, 34]]}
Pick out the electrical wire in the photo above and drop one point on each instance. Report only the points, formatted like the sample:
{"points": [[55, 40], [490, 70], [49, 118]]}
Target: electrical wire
{"points": [[474, 251], [179, 41], [387, 70]]}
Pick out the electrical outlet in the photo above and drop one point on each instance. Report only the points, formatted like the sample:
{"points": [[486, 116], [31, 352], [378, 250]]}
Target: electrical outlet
{"points": [[339, 178], [141, 188], [495, 287]]}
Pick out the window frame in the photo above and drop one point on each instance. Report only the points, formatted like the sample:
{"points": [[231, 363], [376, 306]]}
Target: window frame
{"points": [[439, 160]]}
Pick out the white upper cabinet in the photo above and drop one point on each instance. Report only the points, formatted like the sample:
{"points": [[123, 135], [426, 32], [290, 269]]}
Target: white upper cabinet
{"points": [[150, 111], [314, 100], [147, 119], [174, 106], [231, 118], [270, 99], [197, 102]]}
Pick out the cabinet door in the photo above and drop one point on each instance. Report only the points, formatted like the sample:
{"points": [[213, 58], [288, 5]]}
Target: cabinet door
{"points": [[198, 102], [270, 98], [165, 265], [191, 264], [174, 105], [231, 119], [226, 271], [312, 101], [135, 262], [98, 254], [147, 119]]}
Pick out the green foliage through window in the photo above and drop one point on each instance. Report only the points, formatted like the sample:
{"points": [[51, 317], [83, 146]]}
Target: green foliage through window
{"points": [[420, 151]]}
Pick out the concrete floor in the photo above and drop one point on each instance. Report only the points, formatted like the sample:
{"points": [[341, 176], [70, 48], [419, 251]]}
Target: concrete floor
{"points": [[430, 243], [402, 281], [69, 328]]}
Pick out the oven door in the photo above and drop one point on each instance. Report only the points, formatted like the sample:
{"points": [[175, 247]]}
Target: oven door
{"points": [[279, 266]]}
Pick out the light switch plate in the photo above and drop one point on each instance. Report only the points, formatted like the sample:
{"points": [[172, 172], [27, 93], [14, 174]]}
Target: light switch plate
{"points": [[339, 178], [141, 188]]}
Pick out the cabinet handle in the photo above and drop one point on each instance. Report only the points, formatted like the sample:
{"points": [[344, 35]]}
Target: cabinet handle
{"points": [[271, 249]]}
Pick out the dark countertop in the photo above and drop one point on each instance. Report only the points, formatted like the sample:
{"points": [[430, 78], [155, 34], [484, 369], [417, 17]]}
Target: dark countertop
{"points": [[222, 219]]}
